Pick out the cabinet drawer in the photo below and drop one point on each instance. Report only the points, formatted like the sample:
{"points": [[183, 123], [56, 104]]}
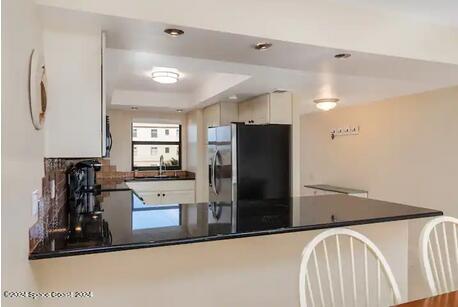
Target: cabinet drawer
{"points": [[151, 198], [168, 185], [177, 197]]}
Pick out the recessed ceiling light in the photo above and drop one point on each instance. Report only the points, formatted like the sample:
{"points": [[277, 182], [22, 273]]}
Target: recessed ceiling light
{"points": [[174, 32], [233, 97], [262, 46], [179, 110], [134, 108], [342, 55], [326, 104], [165, 76]]}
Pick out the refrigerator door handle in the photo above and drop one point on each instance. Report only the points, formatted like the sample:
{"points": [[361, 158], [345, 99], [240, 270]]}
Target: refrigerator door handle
{"points": [[213, 176]]}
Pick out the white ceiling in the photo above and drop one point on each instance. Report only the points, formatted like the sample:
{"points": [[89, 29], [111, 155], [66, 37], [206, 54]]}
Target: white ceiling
{"points": [[441, 12], [217, 65], [129, 82]]}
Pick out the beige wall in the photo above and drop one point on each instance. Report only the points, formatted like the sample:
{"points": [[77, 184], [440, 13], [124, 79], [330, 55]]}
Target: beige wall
{"points": [[120, 126], [22, 146], [406, 152], [196, 151], [248, 272]]}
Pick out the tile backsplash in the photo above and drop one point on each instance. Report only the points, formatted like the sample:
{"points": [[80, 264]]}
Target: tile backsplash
{"points": [[52, 213]]}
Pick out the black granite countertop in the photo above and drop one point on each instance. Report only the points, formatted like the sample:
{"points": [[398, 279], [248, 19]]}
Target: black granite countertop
{"points": [[119, 220], [165, 178], [115, 186], [331, 188]]}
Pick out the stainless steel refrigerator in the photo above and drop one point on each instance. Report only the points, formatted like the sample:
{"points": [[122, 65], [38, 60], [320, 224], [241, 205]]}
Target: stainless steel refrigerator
{"points": [[248, 162]]}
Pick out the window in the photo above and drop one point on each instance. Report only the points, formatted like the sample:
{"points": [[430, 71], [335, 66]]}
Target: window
{"points": [[151, 141]]}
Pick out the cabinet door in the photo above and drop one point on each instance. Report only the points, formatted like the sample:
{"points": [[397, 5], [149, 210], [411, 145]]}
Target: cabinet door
{"points": [[280, 108], [151, 198], [229, 113], [212, 115], [177, 197], [245, 112], [74, 119], [260, 109]]}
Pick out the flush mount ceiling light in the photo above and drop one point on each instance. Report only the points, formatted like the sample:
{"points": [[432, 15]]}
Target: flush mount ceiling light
{"points": [[326, 104], [262, 46], [233, 97], [165, 76], [179, 110], [342, 55], [174, 32]]}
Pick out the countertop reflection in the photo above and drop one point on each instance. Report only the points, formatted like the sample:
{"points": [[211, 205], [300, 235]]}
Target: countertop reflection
{"points": [[122, 221]]}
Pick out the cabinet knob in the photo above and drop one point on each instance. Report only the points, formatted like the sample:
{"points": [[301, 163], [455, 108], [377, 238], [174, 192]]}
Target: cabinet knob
{"points": [[158, 194], [163, 194]]}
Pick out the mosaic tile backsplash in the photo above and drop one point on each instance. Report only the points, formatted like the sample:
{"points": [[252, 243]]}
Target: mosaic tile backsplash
{"points": [[52, 212]]}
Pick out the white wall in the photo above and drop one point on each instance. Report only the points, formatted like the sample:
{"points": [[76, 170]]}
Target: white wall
{"points": [[248, 272], [120, 125], [22, 146], [316, 22], [406, 152]]}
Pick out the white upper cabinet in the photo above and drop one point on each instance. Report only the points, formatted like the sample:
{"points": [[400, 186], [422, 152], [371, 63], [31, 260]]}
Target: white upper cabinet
{"points": [[220, 114], [275, 108], [75, 120], [229, 112], [281, 108]]}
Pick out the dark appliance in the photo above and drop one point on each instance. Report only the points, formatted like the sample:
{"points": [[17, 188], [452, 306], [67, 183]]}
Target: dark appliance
{"points": [[86, 224], [81, 179], [85, 215], [248, 162]]}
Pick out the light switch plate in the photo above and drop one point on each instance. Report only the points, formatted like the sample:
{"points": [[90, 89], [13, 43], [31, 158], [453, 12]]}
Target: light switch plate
{"points": [[35, 204], [52, 188]]}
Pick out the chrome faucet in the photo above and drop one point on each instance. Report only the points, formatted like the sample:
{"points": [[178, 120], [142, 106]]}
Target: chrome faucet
{"points": [[161, 165]]}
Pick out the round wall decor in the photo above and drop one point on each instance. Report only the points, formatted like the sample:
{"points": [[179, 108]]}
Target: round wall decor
{"points": [[37, 89]]}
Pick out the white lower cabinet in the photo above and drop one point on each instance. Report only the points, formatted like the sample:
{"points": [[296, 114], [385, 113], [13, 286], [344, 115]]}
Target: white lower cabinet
{"points": [[151, 197], [165, 192], [178, 197]]}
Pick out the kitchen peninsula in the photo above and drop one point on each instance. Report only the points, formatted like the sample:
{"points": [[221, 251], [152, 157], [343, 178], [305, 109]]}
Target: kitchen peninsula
{"points": [[123, 221]]}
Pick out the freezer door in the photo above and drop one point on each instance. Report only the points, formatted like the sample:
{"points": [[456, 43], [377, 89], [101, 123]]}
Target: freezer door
{"points": [[223, 135], [220, 173], [211, 135], [211, 154], [223, 173]]}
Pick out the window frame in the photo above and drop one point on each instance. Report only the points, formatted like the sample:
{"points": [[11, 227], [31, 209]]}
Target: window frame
{"points": [[149, 168]]}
